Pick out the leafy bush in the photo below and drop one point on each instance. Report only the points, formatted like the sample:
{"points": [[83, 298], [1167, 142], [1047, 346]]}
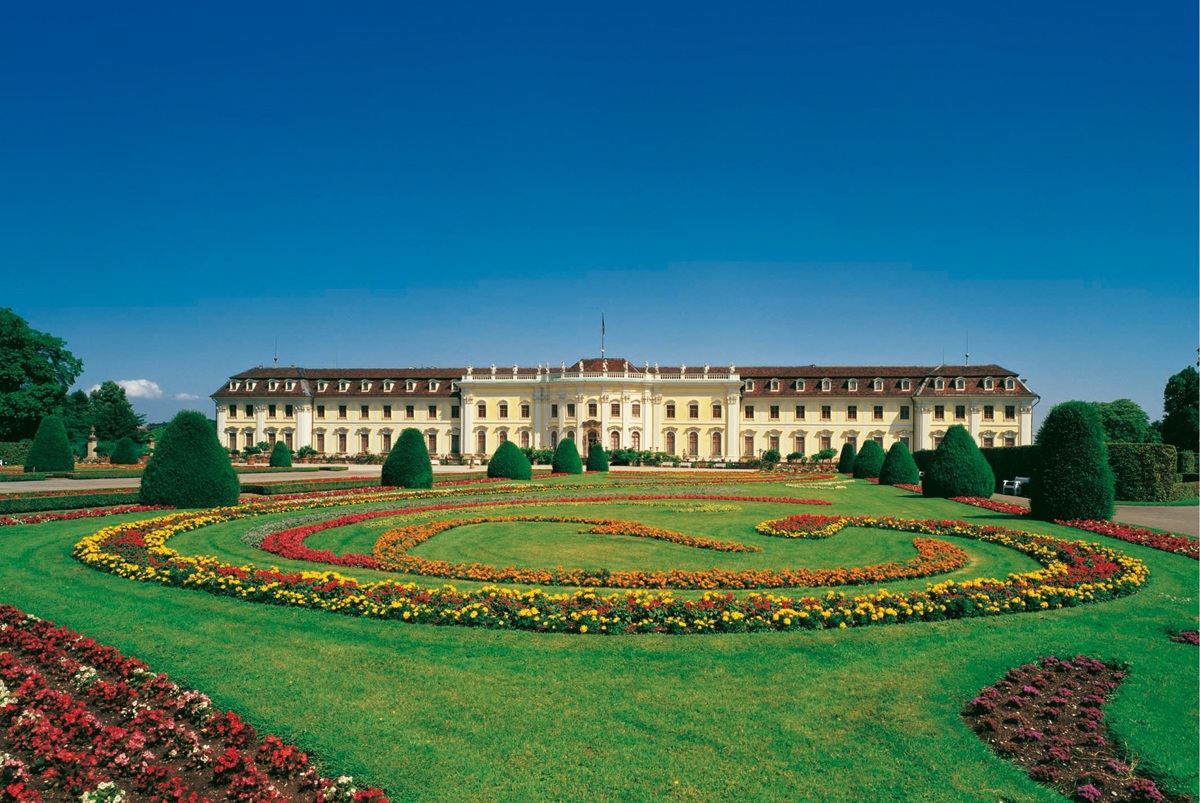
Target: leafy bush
{"points": [[281, 455], [957, 468], [1010, 462], [1187, 461], [190, 467], [538, 457], [597, 458], [566, 458], [51, 451], [408, 464], [846, 461], [869, 461], [898, 467], [1142, 472], [509, 462], [1072, 479], [306, 451], [795, 457], [1185, 490], [923, 458], [12, 453], [771, 457], [824, 454], [124, 453]]}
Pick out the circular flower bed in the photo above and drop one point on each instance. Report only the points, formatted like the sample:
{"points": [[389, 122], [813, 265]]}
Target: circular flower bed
{"points": [[1073, 573]]}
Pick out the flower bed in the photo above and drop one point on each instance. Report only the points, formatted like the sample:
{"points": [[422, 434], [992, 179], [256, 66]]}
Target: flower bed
{"points": [[988, 504], [66, 500], [91, 513], [78, 720], [804, 526], [1166, 542], [1048, 718], [1187, 637], [1073, 573]]}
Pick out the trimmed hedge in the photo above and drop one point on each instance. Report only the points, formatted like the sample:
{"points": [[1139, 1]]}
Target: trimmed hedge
{"points": [[846, 461], [281, 456], [510, 463], [597, 458], [407, 464], [190, 467], [898, 467], [124, 453], [1187, 462], [1143, 472], [566, 458], [957, 468], [22, 477], [923, 458], [869, 460], [306, 486], [1010, 462], [39, 501], [1072, 479], [12, 453], [51, 451]]}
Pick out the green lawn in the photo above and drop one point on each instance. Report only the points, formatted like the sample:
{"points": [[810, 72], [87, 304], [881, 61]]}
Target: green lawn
{"points": [[452, 714]]}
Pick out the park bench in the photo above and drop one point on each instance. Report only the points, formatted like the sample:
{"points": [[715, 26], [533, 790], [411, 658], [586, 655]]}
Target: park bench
{"points": [[1015, 486]]}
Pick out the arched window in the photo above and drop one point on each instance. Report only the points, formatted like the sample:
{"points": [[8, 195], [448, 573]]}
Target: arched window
{"points": [[825, 385], [503, 436], [960, 384], [481, 409], [615, 440], [693, 443], [524, 439], [554, 439], [571, 434], [430, 442], [939, 384], [748, 445], [852, 384], [988, 384], [1009, 384], [635, 440], [716, 444], [481, 442], [669, 443]]}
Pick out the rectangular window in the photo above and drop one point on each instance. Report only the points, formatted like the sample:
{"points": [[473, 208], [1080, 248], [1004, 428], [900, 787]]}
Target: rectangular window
{"points": [[798, 444], [826, 412], [364, 445], [554, 411], [321, 442], [233, 411], [270, 411], [851, 412], [288, 411], [524, 411], [431, 442], [410, 412], [341, 443], [342, 414], [825, 443], [749, 412], [249, 411], [939, 412], [635, 410], [320, 411], [1010, 412], [904, 440], [693, 410], [386, 439], [877, 412], [503, 409], [989, 412], [878, 439], [773, 442], [988, 441], [670, 411], [570, 410], [615, 409], [800, 411], [364, 411], [431, 412], [716, 411], [773, 413], [748, 446], [593, 410], [960, 412], [904, 412], [387, 411], [454, 411], [1009, 440]]}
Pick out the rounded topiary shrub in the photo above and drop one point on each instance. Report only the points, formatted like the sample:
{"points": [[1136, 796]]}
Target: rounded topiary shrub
{"points": [[509, 462], [566, 458], [51, 451], [281, 455], [597, 458], [846, 461], [869, 461], [124, 453], [407, 464], [898, 467], [190, 467], [1072, 479], [958, 468]]}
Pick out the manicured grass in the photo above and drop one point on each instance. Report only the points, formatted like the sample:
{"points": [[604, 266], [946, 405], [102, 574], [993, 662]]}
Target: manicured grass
{"points": [[452, 713]]}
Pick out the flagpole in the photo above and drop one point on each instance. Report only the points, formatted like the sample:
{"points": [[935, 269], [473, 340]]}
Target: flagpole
{"points": [[602, 335]]}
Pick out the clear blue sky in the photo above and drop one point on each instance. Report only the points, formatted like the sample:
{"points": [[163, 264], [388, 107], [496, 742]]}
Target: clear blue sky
{"points": [[401, 184]]}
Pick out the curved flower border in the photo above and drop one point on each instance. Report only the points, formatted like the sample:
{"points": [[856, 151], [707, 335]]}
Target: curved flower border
{"points": [[1073, 573]]}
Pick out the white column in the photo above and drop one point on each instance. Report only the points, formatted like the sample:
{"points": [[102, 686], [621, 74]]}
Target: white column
{"points": [[973, 412], [304, 425], [466, 438], [604, 417], [1025, 432], [260, 423], [733, 426], [921, 427], [222, 423], [650, 436], [625, 409], [535, 418]]}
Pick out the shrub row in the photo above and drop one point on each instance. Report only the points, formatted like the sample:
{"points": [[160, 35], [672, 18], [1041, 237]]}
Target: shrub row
{"points": [[12, 453], [22, 477], [35, 504], [306, 486], [1142, 472]]}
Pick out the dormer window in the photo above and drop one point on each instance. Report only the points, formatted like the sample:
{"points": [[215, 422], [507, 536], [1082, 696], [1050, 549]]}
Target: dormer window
{"points": [[774, 385], [321, 386], [454, 387], [365, 385], [906, 384], [877, 385], [272, 385], [1009, 384], [960, 384], [410, 385], [233, 385], [939, 384], [388, 385], [799, 384], [852, 384], [290, 385], [251, 385], [433, 385], [344, 385], [826, 385], [988, 384], [749, 384]]}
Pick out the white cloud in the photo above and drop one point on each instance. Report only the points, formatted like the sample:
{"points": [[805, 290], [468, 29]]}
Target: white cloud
{"points": [[186, 397], [141, 388]]}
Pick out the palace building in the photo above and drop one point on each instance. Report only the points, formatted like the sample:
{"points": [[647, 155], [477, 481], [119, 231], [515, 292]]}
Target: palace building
{"points": [[696, 411]]}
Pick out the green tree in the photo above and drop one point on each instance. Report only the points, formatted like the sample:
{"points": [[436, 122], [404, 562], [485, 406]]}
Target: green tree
{"points": [[846, 460], [124, 453], [35, 372], [112, 414], [408, 464], [958, 468], [190, 467], [1181, 410], [281, 455], [1124, 421], [869, 460], [1072, 479], [771, 457], [898, 467], [509, 462], [597, 458], [51, 451], [76, 413], [566, 458]]}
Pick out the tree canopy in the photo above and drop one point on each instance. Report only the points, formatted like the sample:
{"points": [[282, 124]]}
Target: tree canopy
{"points": [[1124, 421], [112, 414], [36, 370], [1181, 410]]}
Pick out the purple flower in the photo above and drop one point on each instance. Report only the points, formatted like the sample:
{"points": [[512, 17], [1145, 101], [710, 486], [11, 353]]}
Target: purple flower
{"points": [[1087, 792], [1144, 789]]}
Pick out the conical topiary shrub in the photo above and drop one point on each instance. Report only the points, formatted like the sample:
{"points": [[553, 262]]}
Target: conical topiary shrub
{"points": [[868, 461], [190, 467], [509, 462], [51, 451], [597, 458], [958, 468], [566, 458], [281, 455], [1072, 478], [846, 461], [407, 464], [899, 468], [124, 453]]}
